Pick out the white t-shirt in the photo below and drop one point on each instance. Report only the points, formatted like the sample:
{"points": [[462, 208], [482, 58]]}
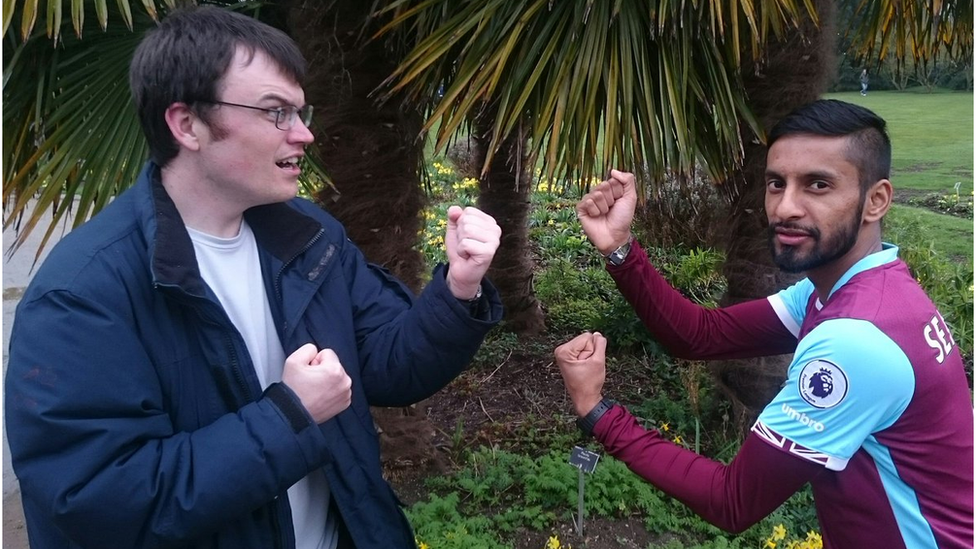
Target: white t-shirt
{"points": [[231, 268]]}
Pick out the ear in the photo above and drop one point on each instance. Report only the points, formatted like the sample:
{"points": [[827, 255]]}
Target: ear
{"points": [[877, 201], [184, 125]]}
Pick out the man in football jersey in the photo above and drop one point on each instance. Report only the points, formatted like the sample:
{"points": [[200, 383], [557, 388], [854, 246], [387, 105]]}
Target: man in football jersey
{"points": [[875, 413]]}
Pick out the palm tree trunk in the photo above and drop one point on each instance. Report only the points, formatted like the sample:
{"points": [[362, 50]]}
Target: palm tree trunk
{"points": [[371, 151], [505, 191], [792, 72], [373, 155]]}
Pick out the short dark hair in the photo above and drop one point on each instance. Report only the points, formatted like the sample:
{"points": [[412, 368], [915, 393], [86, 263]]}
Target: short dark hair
{"points": [[184, 59], [869, 148]]}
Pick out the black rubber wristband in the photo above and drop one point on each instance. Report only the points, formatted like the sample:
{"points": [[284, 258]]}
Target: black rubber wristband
{"points": [[587, 422]]}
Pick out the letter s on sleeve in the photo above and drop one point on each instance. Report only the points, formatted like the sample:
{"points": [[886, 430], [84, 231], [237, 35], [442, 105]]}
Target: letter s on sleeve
{"points": [[941, 346]]}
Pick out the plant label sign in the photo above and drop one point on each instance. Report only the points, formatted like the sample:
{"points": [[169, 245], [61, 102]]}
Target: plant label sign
{"points": [[583, 459]]}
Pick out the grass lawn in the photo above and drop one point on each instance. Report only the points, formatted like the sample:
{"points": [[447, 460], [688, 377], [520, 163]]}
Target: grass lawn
{"points": [[931, 136], [932, 149], [952, 236]]}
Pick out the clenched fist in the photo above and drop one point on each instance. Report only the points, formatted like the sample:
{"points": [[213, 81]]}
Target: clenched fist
{"points": [[582, 363], [607, 211], [471, 240], [319, 380]]}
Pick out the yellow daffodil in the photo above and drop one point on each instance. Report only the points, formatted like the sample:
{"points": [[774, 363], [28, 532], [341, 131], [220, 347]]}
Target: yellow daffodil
{"points": [[779, 532]]}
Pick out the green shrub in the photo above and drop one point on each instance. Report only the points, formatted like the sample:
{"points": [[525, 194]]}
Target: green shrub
{"points": [[697, 274], [438, 524], [575, 299], [949, 284], [498, 492]]}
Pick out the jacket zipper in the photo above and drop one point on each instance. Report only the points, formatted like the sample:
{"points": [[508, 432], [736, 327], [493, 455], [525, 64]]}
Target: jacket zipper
{"points": [[305, 248]]}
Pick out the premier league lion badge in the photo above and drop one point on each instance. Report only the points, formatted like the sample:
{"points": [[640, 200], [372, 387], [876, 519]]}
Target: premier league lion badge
{"points": [[823, 384]]}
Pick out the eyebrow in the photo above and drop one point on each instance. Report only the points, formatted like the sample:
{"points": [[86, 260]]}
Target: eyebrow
{"points": [[808, 175], [277, 97]]}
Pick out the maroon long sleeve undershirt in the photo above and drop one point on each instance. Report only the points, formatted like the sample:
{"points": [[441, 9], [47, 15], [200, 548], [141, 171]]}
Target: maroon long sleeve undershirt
{"points": [[688, 330], [732, 497]]}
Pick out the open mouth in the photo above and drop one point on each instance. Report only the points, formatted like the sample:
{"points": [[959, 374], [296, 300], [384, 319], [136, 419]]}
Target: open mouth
{"points": [[290, 164]]}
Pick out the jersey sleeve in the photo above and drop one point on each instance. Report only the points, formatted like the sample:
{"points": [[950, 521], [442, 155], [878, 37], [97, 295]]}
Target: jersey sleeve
{"points": [[790, 304], [733, 496], [689, 330], [847, 381]]}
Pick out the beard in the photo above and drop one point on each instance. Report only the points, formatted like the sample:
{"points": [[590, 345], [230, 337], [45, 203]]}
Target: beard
{"points": [[792, 260]]}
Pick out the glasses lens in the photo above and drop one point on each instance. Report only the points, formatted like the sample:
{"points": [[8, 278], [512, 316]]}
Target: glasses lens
{"points": [[286, 116], [306, 114]]}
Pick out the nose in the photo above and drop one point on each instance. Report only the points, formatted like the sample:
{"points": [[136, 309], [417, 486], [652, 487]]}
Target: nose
{"points": [[784, 205], [300, 133]]}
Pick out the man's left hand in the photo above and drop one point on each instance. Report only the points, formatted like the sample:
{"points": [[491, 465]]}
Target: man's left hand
{"points": [[582, 363], [471, 241]]}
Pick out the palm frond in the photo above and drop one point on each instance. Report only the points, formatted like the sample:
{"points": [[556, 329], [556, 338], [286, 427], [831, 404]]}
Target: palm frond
{"points": [[74, 128], [599, 84], [920, 31], [72, 139]]}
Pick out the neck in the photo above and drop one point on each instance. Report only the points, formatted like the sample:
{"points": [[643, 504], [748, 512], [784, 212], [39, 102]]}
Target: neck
{"points": [[825, 277], [200, 205]]}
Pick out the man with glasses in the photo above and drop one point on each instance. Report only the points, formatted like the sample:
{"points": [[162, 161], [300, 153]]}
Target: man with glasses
{"points": [[194, 366]]}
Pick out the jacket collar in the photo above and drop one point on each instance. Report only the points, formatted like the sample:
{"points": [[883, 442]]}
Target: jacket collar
{"points": [[279, 229]]}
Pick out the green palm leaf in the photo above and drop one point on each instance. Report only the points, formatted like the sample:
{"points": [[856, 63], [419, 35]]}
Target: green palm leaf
{"points": [[72, 138], [599, 84], [922, 30], [73, 124]]}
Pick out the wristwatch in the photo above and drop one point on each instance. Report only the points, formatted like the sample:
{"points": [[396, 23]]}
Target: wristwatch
{"points": [[587, 422], [474, 304], [617, 257]]}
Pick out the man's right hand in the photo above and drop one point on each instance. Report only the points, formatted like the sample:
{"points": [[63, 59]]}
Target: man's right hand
{"points": [[607, 211], [319, 380]]}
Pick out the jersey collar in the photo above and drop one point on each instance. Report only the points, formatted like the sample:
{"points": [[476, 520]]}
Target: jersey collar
{"points": [[888, 254]]}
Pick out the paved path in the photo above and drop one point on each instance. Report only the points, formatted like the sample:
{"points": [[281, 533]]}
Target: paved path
{"points": [[17, 271]]}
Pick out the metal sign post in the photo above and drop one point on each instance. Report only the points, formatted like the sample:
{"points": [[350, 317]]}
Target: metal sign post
{"points": [[585, 461]]}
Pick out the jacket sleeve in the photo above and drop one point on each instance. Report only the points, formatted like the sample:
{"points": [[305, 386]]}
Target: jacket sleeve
{"points": [[411, 347], [94, 447], [688, 330], [733, 497]]}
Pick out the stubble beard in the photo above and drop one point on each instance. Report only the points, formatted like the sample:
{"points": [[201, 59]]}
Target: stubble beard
{"points": [[791, 260]]}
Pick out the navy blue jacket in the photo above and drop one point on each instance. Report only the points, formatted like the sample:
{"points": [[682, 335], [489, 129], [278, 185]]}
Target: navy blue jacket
{"points": [[135, 417]]}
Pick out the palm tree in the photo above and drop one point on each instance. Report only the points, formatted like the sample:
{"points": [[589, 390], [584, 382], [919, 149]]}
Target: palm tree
{"points": [[588, 84], [657, 87], [372, 152]]}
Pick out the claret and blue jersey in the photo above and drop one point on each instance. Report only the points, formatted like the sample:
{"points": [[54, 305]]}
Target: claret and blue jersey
{"points": [[875, 414], [876, 393]]}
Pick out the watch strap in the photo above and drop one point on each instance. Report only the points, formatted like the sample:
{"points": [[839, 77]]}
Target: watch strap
{"points": [[618, 256], [588, 422]]}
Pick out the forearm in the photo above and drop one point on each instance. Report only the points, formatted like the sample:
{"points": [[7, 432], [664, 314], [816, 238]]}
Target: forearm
{"points": [[732, 497], [691, 331], [417, 353]]}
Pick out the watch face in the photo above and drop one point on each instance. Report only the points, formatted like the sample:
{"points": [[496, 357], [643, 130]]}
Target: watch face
{"points": [[618, 256]]}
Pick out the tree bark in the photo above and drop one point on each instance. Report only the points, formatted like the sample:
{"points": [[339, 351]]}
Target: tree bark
{"points": [[373, 155], [371, 151], [792, 72], [505, 193]]}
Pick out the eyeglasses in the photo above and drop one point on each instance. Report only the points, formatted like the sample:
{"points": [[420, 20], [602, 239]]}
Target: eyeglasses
{"points": [[284, 116]]}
